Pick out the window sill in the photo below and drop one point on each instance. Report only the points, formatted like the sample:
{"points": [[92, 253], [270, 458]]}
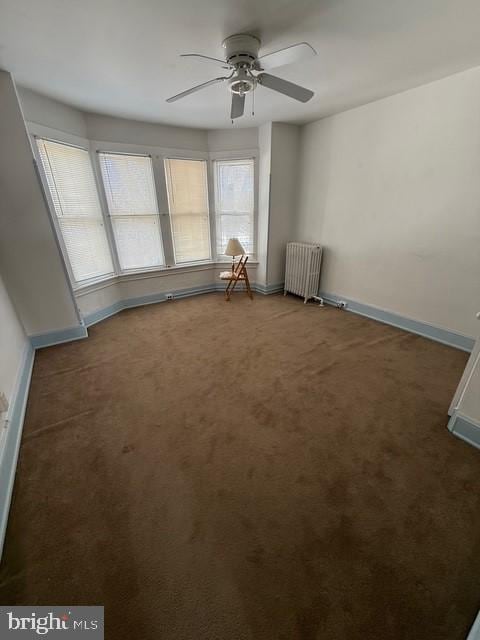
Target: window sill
{"points": [[94, 282], [160, 272]]}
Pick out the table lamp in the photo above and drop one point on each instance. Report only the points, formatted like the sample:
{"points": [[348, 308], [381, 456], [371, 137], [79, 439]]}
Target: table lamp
{"points": [[234, 248]]}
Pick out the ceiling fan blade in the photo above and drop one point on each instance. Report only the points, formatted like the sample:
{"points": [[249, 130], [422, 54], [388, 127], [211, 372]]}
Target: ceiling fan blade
{"points": [[193, 89], [283, 86], [293, 53], [238, 105], [199, 58]]}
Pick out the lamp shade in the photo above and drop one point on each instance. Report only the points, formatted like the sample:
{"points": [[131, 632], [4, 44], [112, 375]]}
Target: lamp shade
{"points": [[234, 248]]}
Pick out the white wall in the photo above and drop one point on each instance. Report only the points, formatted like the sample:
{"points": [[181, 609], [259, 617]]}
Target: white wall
{"points": [[232, 139], [470, 403], [392, 191], [264, 170], [13, 343], [283, 197], [129, 288], [30, 261], [40, 109], [110, 129]]}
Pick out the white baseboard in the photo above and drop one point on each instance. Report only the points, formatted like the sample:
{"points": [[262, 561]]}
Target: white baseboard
{"points": [[11, 442], [106, 312], [465, 428], [475, 630], [439, 334], [52, 338]]}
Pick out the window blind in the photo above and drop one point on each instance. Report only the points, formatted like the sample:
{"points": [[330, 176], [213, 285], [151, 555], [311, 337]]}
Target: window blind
{"points": [[70, 179], [188, 206], [132, 205], [234, 203]]}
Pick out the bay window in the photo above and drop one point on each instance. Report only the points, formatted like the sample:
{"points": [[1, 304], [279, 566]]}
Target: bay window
{"points": [[123, 231]]}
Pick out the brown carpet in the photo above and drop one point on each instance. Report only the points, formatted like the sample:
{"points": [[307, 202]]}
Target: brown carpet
{"points": [[261, 470]]}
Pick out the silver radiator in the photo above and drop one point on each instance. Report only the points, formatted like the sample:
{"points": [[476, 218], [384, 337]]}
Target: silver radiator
{"points": [[302, 270]]}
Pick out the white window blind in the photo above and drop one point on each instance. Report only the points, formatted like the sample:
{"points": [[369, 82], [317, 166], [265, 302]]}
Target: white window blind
{"points": [[234, 203], [69, 175], [132, 205], [188, 205]]}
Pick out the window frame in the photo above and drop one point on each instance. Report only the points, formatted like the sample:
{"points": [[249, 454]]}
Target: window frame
{"points": [[76, 144], [104, 204], [232, 156], [212, 252]]}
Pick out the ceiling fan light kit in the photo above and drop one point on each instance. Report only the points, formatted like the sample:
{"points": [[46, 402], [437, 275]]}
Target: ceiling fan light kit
{"points": [[247, 70]]}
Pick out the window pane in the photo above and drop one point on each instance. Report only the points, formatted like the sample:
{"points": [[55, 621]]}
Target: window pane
{"points": [[188, 205], [132, 205], [72, 187], [138, 241], [87, 247], [235, 186], [234, 200], [192, 237], [129, 184], [238, 226]]}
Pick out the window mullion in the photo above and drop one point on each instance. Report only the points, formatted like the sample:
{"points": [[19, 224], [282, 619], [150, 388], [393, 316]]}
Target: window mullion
{"points": [[166, 227], [213, 209], [107, 222], [164, 215]]}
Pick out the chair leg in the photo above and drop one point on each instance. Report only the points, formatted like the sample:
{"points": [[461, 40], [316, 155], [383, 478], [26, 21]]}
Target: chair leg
{"points": [[233, 285]]}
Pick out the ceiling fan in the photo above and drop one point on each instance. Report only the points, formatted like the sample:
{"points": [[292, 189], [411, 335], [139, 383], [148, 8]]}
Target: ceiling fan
{"points": [[247, 70]]}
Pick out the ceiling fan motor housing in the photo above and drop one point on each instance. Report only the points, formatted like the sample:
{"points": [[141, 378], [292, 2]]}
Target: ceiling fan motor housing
{"points": [[241, 49]]}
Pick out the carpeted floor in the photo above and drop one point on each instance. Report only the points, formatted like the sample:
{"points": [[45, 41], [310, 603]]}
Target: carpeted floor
{"points": [[262, 470]]}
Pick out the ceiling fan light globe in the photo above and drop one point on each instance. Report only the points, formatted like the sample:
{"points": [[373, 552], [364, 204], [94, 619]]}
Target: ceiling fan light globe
{"points": [[241, 83]]}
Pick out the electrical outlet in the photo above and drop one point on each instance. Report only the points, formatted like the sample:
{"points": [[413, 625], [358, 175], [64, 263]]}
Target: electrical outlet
{"points": [[341, 304], [3, 403], [169, 296]]}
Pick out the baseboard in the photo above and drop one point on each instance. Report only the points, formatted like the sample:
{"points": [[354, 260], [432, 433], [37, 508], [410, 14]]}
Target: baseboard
{"points": [[475, 630], [129, 303], [465, 428], [445, 336], [269, 288], [51, 338], [11, 446], [102, 314]]}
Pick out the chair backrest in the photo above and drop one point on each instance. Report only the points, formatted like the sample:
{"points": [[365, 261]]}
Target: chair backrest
{"points": [[239, 267]]}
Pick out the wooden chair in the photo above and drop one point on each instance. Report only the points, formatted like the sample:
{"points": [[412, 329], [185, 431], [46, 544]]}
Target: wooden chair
{"points": [[237, 274]]}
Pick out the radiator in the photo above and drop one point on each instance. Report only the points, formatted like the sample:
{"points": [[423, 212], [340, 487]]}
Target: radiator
{"points": [[302, 269]]}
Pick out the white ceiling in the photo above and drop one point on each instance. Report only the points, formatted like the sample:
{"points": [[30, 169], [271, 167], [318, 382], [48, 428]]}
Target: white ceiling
{"points": [[120, 57]]}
